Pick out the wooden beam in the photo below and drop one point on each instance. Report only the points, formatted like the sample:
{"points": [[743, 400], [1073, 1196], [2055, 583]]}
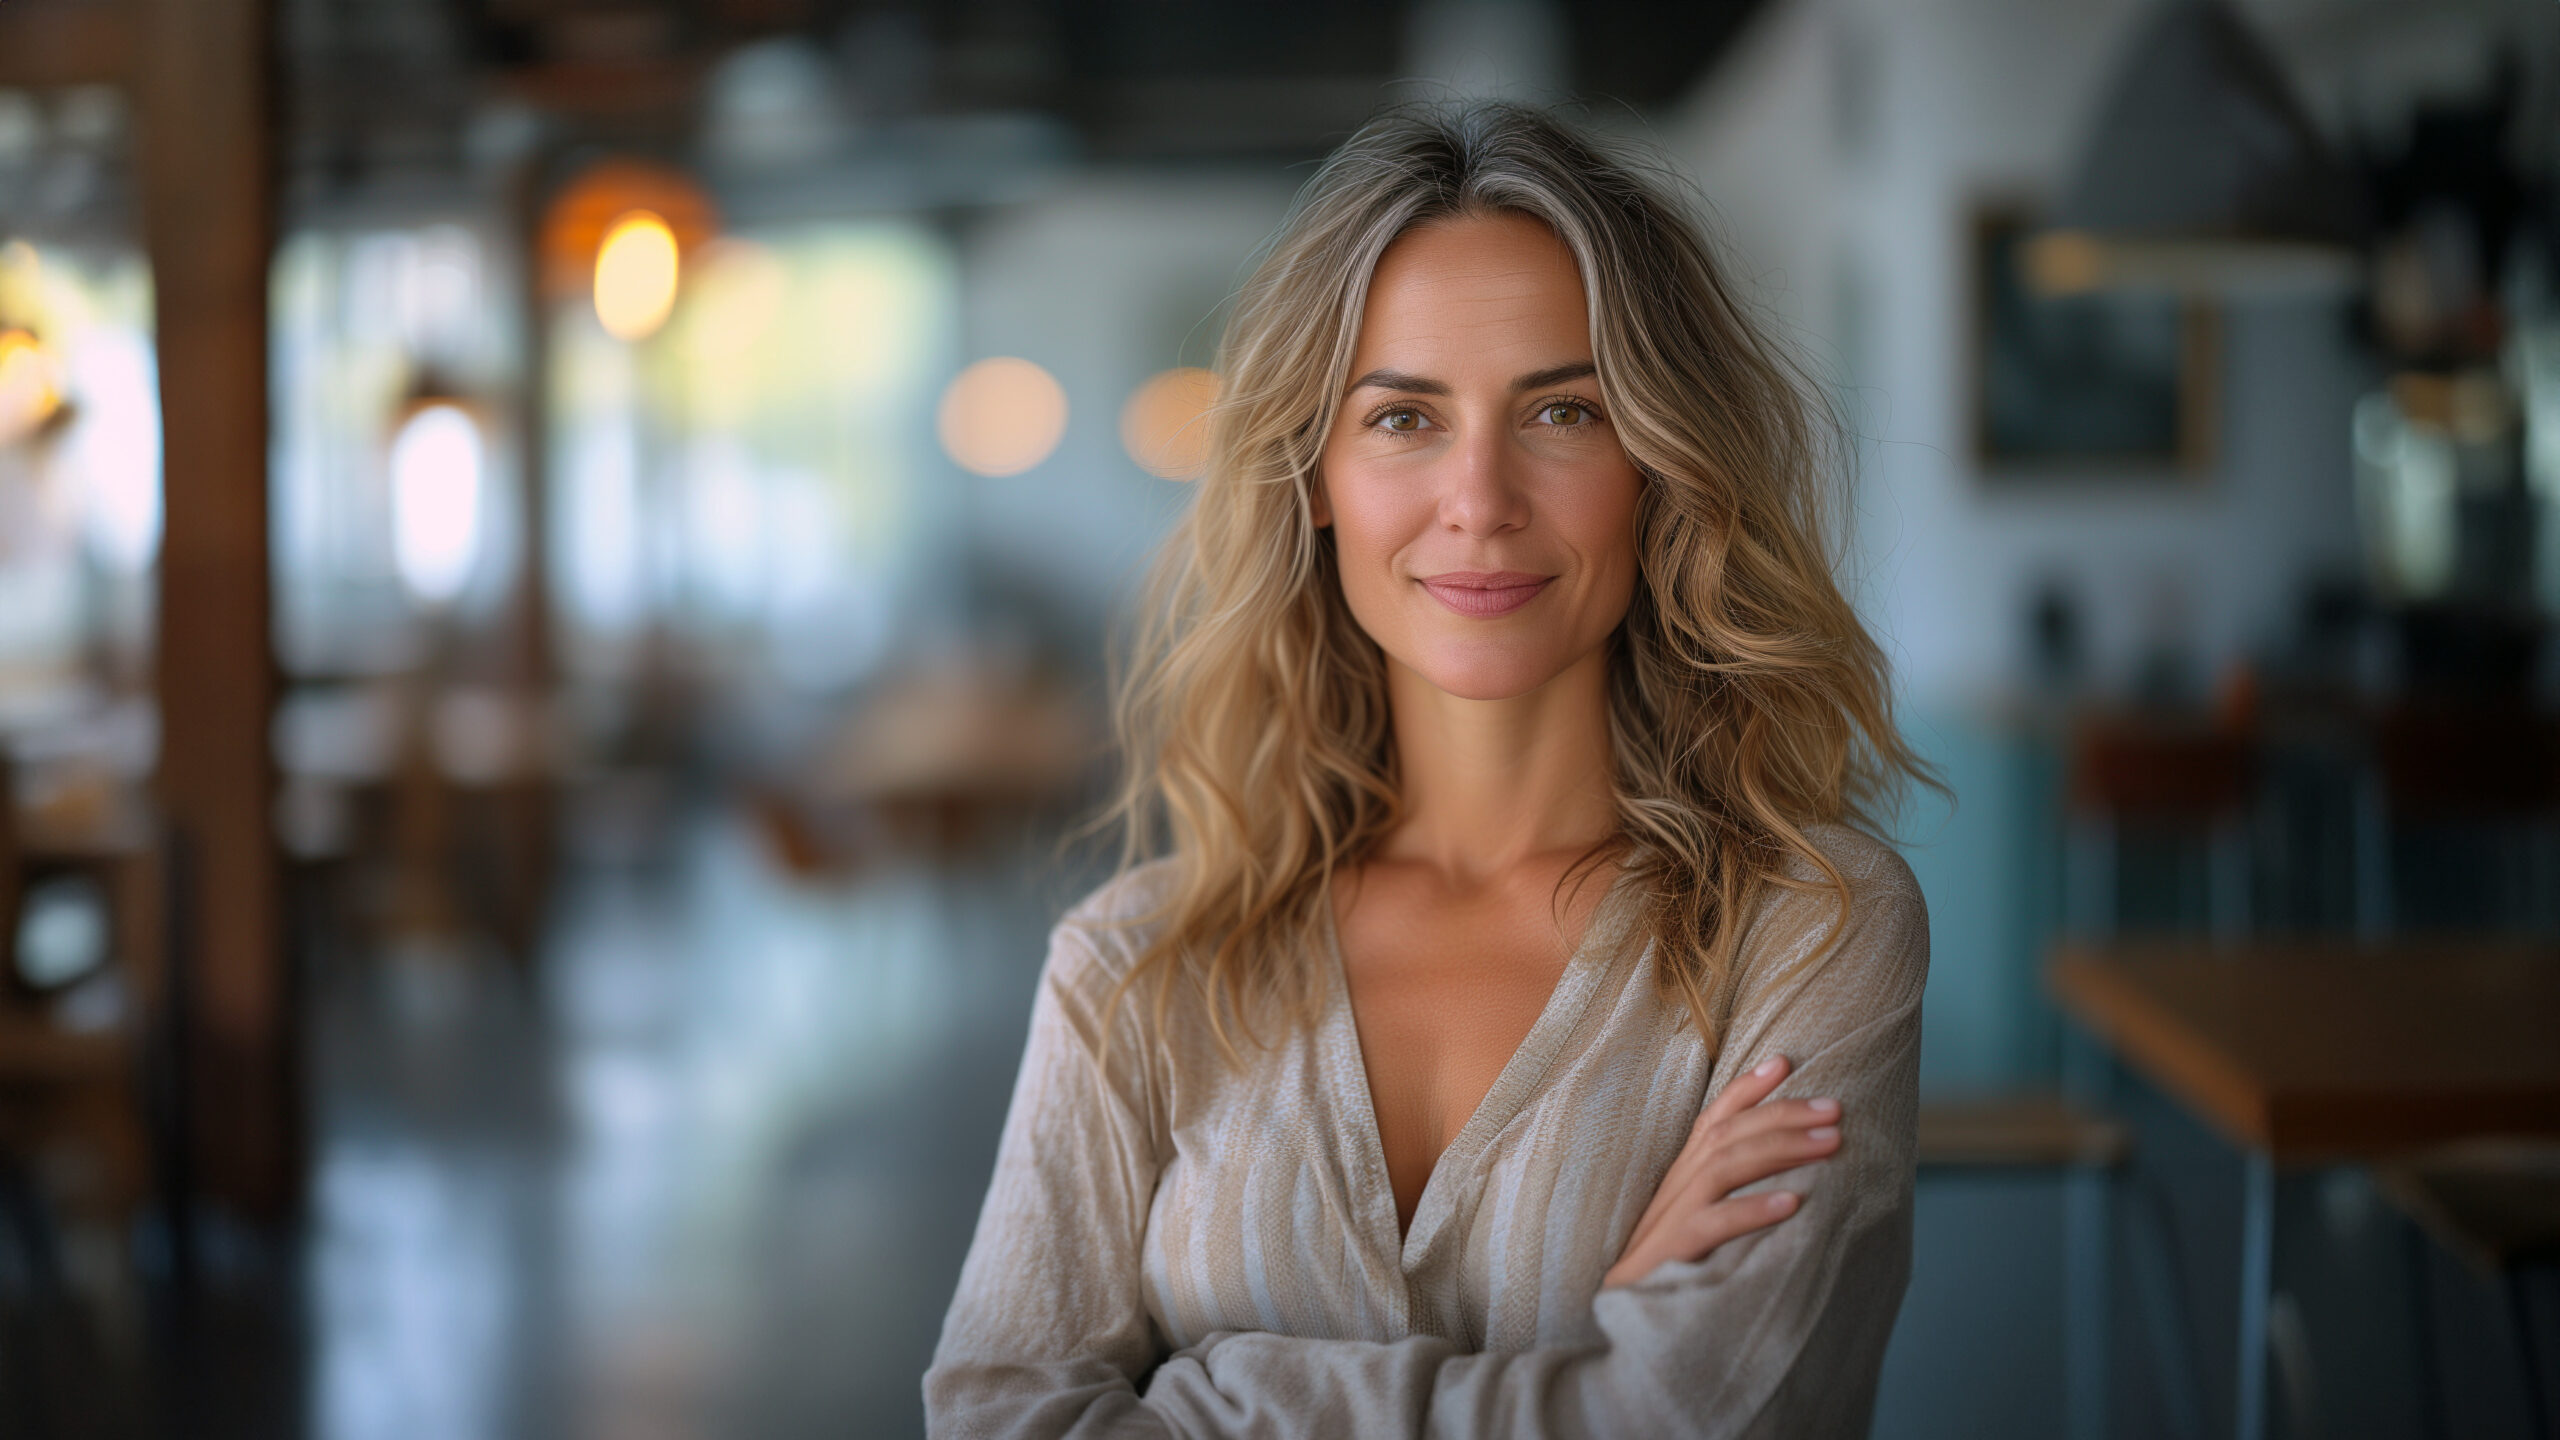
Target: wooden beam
{"points": [[47, 43], [204, 75]]}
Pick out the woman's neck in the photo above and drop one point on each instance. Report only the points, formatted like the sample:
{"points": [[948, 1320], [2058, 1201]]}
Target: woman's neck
{"points": [[1488, 784]]}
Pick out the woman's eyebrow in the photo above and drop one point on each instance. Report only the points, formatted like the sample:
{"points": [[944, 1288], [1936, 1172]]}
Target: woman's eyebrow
{"points": [[1406, 382], [1403, 380], [1555, 375]]}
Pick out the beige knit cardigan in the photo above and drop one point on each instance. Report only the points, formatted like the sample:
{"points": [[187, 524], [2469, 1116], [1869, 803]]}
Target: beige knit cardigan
{"points": [[1172, 1247]]}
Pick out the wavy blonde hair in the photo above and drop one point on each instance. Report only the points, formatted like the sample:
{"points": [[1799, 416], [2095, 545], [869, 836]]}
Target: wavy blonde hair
{"points": [[1746, 701]]}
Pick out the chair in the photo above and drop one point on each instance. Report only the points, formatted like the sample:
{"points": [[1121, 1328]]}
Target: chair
{"points": [[22, 1213], [2477, 771], [2185, 779], [2124, 774], [2495, 1205], [2485, 772], [74, 1138]]}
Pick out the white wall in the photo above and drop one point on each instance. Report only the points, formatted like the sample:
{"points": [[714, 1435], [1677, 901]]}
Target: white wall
{"points": [[1842, 146], [1105, 280]]}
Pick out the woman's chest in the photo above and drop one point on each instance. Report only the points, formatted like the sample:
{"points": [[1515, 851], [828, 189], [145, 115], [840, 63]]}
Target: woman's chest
{"points": [[1436, 1025], [1444, 987], [1276, 1212]]}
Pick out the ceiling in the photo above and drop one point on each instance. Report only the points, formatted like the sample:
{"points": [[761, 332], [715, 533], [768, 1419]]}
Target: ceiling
{"points": [[408, 83]]}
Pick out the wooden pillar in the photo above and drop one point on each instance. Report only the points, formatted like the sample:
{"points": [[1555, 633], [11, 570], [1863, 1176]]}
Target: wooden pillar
{"points": [[536, 662], [203, 72], [529, 803]]}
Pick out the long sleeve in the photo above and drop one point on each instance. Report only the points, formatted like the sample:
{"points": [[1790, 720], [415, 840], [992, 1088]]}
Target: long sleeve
{"points": [[1048, 1334], [1780, 1333]]}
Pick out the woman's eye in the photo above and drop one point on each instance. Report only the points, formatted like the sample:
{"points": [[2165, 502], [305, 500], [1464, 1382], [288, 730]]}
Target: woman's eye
{"points": [[1403, 422], [1564, 413]]}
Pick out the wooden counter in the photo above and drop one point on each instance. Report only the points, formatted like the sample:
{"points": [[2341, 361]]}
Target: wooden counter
{"points": [[2310, 1051]]}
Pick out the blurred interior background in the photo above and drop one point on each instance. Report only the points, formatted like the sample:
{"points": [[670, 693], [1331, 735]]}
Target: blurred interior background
{"points": [[555, 561]]}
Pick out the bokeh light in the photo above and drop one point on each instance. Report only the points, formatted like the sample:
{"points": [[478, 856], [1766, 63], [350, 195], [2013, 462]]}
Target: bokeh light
{"points": [[28, 396], [1002, 416], [115, 444], [2064, 262], [435, 500], [1165, 425], [739, 288], [636, 273]]}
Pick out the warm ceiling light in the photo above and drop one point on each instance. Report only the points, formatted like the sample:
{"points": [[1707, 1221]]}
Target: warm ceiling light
{"points": [[2204, 172], [1002, 416], [636, 272], [1165, 425], [575, 219]]}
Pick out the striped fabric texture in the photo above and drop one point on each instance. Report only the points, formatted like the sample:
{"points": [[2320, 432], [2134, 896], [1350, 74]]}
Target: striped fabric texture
{"points": [[1173, 1247]]}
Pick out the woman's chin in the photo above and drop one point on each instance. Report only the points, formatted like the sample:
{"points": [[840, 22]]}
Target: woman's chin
{"points": [[1470, 673]]}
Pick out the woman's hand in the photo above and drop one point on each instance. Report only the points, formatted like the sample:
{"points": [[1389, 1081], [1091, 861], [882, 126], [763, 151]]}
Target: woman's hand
{"points": [[1736, 1141]]}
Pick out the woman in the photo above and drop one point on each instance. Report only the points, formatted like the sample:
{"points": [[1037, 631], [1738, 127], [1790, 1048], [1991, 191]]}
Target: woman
{"points": [[1518, 1032]]}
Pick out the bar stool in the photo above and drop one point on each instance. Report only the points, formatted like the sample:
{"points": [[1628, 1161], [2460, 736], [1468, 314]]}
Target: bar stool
{"points": [[2187, 779], [2046, 1132]]}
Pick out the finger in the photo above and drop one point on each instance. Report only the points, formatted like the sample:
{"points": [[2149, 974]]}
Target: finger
{"points": [[1745, 1090], [1779, 1114], [1762, 1156], [1700, 1231], [1741, 1108], [1770, 1115], [1732, 1217]]}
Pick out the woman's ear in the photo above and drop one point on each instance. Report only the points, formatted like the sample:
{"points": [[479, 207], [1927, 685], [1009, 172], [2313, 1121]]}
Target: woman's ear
{"points": [[1317, 505]]}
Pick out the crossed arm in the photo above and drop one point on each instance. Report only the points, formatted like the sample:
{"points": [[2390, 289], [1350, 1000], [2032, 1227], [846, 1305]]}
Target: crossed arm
{"points": [[1779, 1331]]}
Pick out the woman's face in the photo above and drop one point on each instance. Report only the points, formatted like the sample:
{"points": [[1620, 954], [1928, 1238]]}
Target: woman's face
{"points": [[1483, 511]]}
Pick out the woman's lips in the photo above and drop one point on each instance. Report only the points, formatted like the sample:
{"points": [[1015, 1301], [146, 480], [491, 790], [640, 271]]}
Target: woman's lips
{"points": [[1485, 592]]}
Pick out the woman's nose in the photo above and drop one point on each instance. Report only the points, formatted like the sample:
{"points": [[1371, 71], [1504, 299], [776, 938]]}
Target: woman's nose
{"points": [[1481, 491]]}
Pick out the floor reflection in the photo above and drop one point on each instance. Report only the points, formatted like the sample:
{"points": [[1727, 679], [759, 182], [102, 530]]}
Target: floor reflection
{"points": [[709, 1171]]}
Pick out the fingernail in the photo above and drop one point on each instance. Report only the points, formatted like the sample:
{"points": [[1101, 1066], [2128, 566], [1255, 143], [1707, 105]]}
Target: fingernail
{"points": [[1822, 1132], [1781, 1199], [1824, 1105], [1768, 1066]]}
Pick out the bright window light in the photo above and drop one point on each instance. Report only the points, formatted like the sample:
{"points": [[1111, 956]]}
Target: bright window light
{"points": [[435, 501]]}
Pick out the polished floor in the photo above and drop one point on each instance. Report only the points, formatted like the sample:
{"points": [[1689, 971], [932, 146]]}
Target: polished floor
{"points": [[712, 1172], [710, 1167]]}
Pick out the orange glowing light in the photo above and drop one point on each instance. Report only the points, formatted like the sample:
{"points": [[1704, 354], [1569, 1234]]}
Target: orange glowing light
{"points": [[636, 274], [1165, 425], [1002, 416], [578, 217]]}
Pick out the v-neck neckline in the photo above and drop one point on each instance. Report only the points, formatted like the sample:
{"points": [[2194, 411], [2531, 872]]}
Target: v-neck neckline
{"points": [[1503, 1100]]}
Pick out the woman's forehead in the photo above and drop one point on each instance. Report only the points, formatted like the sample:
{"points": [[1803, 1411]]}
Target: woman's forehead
{"points": [[1478, 288]]}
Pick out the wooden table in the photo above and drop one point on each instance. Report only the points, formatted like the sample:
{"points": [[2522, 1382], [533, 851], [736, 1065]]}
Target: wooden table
{"points": [[2305, 1052]]}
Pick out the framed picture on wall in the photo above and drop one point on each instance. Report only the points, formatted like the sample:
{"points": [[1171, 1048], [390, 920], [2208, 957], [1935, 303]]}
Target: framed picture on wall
{"points": [[2095, 386]]}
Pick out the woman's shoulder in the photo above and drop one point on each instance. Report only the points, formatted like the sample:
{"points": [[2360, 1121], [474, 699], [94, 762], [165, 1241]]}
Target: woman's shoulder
{"points": [[1883, 935], [1101, 936], [1874, 869]]}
